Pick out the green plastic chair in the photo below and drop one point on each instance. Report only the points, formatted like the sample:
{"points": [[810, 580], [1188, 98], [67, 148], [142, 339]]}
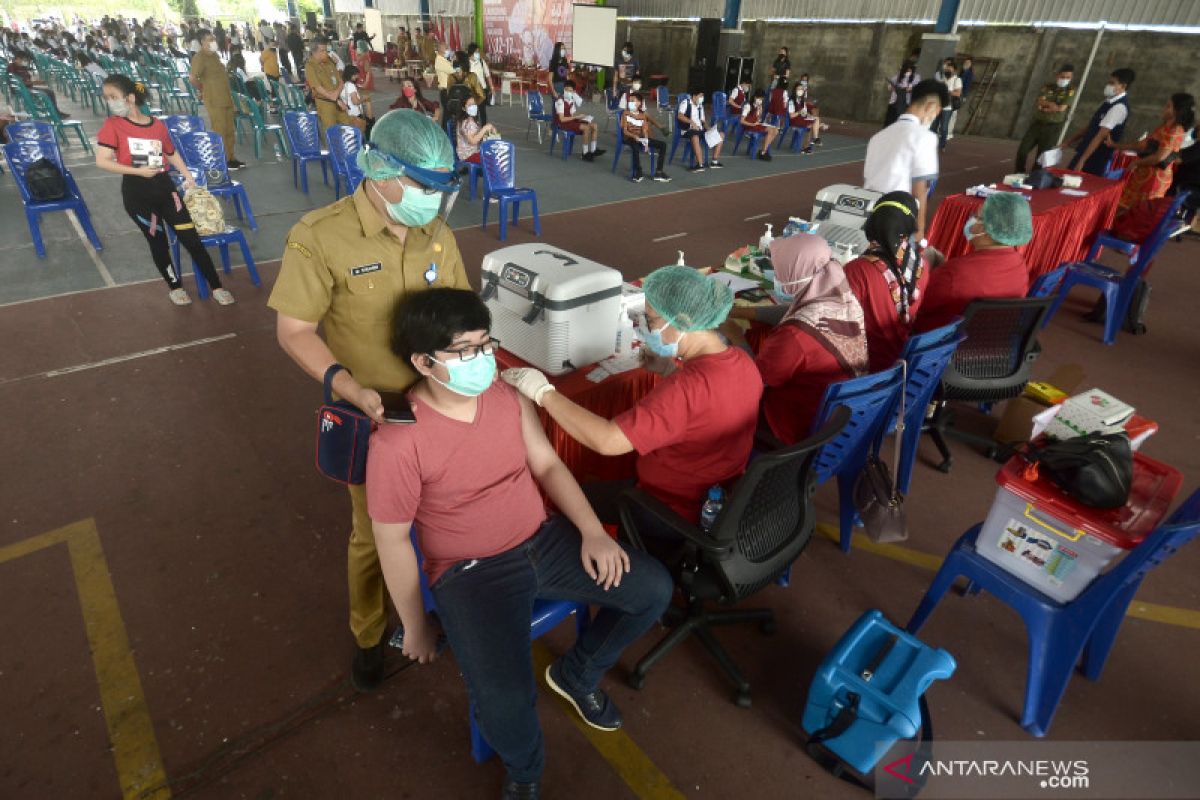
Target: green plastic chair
{"points": [[43, 110], [258, 123]]}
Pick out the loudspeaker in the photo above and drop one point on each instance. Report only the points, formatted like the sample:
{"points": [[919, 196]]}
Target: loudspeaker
{"points": [[310, 18], [708, 43]]}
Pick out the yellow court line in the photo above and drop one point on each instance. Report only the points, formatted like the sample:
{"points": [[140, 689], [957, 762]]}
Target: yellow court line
{"points": [[1168, 615], [130, 729], [641, 775]]}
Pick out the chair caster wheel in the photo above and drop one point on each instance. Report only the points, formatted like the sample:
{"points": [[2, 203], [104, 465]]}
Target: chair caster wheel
{"points": [[945, 466], [636, 681], [742, 699], [768, 626]]}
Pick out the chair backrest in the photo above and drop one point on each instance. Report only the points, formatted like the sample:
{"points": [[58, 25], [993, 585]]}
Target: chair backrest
{"points": [[662, 96], [536, 106], [21, 153], [869, 399], [1148, 249], [927, 356], [1178, 530], [179, 124], [42, 107], [719, 101], [1000, 335], [1048, 283], [499, 160], [769, 516], [39, 131], [344, 143], [302, 131], [203, 151]]}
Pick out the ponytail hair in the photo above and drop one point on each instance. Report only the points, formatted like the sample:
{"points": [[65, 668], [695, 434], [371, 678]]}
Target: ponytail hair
{"points": [[1185, 109], [127, 87]]}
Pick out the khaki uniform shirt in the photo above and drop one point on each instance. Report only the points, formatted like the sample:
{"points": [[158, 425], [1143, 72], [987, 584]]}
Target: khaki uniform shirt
{"points": [[444, 71], [1059, 97], [344, 269], [209, 74], [323, 74]]}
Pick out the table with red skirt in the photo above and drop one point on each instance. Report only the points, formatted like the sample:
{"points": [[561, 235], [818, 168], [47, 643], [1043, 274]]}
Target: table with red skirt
{"points": [[607, 399], [1063, 224]]}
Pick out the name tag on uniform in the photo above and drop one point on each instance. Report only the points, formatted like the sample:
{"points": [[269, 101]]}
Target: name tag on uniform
{"points": [[367, 268]]}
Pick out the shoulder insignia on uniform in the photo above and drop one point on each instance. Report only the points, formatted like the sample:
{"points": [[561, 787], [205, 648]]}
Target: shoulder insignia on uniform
{"points": [[304, 251]]}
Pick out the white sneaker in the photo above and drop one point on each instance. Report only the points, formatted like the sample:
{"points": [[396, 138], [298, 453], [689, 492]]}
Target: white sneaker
{"points": [[179, 297], [223, 297]]}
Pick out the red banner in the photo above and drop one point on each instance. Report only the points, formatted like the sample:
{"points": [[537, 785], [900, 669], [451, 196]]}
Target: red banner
{"points": [[527, 29]]}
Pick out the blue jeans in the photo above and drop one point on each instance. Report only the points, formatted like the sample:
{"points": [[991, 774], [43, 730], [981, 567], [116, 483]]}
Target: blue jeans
{"points": [[485, 607]]}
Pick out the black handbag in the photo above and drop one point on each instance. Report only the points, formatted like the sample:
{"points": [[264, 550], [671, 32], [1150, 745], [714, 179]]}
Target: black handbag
{"points": [[879, 504], [45, 181], [1096, 470], [343, 432]]}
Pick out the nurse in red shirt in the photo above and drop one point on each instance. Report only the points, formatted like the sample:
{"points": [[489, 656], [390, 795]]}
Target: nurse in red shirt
{"points": [[994, 269], [138, 147], [692, 431], [889, 279], [820, 340]]}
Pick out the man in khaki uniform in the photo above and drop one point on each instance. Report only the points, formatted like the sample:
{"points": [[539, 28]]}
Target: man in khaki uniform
{"points": [[345, 267], [321, 75], [212, 84], [1052, 104]]}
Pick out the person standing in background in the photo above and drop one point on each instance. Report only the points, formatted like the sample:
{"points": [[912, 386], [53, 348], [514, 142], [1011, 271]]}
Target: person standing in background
{"points": [[366, 76], [627, 67], [295, 46], [219, 35], [781, 69], [1092, 154], [212, 87], [560, 69], [948, 76], [483, 74], [901, 86], [324, 81], [1150, 176], [1048, 117], [903, 157]]}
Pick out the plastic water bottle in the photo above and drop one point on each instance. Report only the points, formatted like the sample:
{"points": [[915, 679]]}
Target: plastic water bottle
{"points": [[711, 508], [765, 240]]}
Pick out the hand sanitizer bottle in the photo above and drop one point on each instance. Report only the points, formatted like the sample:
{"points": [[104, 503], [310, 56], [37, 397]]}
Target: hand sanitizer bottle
{"points": [[764, 243], [680, 262]]}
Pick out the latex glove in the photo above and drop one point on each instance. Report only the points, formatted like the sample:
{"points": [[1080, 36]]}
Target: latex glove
{"points": [[529, 382]]}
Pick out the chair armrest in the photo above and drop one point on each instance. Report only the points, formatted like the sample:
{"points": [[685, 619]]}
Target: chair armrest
{"points": [[669, 519], [1106, 239]]}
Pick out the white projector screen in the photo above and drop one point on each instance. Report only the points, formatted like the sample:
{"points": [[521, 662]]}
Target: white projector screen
{"points": [[594, 35]]}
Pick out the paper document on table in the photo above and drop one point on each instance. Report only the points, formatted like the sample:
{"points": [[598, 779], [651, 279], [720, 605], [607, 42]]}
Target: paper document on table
{"points": [[598, 374], [712, 137], [735, 282], [1050, 158], [1074, 192]]}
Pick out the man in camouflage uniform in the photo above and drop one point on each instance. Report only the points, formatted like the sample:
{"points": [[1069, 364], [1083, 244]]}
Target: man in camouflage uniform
{"points": [[1052, 105]]}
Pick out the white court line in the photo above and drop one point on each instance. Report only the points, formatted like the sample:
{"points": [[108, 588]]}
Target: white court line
{"points": [[968, 169], [105, 275], [668, 238], [54, 373], [756, 216]]}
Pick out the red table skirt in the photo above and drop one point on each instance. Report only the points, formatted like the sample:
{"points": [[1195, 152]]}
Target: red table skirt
{"points": [[607, 399], [1063, 225]]}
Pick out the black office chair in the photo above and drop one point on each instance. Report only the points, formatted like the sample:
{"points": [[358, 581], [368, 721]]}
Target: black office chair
{"points": [[766, 522], [991, 365]]}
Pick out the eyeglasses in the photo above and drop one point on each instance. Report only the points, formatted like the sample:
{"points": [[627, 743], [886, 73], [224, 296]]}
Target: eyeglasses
{"points": [[469, 352]]}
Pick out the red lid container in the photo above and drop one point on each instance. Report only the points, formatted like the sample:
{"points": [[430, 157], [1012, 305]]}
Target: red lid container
{"points": [[1154, 487]]}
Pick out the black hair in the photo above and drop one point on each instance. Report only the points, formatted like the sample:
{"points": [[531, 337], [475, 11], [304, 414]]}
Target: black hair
{"points": [[428, 321], [1125, 75], [471, 48], [930, 88], [1185, 109], [127, 87], [349, 72], [200, 34], [1067, 68], [627, 46], [786, 53], [892, 223], [320, 40], [759, 94]]}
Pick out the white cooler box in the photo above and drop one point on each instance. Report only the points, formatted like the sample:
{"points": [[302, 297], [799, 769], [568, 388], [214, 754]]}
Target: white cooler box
{"points": [[556, 310], [842, 210]]}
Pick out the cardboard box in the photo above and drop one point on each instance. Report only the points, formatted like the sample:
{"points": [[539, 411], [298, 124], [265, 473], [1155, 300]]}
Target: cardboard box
{"points": [[1093, 411], [1016, 423]]}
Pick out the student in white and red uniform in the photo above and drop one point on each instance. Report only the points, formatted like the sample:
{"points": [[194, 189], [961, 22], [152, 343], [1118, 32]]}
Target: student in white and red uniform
{"points": [[804, 114], [692, 126], [738, 99], [754, 116], [635, 127], [138, 147], [568, 118]]}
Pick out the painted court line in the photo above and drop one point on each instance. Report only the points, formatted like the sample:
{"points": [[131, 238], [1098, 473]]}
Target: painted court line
{"points": [[756, 216], [105, 275], [55, 373], [1168, 615], [668, 238], [645, 779], [130, 729]]}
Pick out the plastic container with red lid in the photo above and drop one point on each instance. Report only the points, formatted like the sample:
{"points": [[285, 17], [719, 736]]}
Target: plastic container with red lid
{"points": [[1037, 532]]}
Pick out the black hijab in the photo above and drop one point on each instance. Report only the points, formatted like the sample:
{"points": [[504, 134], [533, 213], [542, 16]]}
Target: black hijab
{"points": [[892, 222]]}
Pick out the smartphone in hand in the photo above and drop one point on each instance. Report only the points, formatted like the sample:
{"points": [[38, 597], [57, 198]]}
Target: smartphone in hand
{"points": [[396, 408]]}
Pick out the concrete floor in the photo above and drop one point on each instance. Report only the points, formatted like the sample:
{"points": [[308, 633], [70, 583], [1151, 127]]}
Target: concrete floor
{"points": [[171, 566]]}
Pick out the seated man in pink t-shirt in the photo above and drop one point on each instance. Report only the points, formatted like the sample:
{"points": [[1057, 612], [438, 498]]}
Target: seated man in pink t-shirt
{"points": [[467, 475]]}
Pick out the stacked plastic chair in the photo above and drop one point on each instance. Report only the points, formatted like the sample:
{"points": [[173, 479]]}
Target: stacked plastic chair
{"points": [[499, 160], [344, 143], [204, 153], [302, 129]]}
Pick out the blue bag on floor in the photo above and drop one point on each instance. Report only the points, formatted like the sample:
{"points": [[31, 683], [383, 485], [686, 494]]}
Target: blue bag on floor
{"points": [[342, 434], [868, 694]]}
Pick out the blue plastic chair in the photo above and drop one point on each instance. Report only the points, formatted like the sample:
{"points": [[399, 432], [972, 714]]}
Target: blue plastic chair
{"points": [[537, 113], [872, 400], [689, 157], [303, 133], [344, 143], [621, 145], [720, 110], [568, 139], [547, 614], [179, 124], [472, 169], [29, 144], [1117, 287], [221, 241], [662, 99], [1049, 283], [204, 153], [499, 159], [753, 139], [1061, 634]]}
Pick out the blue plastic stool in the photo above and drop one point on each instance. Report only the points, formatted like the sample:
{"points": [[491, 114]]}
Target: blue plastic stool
{"points": [[1061, 634]]}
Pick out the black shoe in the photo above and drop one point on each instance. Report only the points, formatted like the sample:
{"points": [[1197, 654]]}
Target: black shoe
{"points": [[599, 152], [696, 168], [808, 150], [764, 156], [595, 708], [661, 177], [638, 178], [589, 156], [715, 165], [521, 791], [367, 671], [234, 164], [817, 141]]}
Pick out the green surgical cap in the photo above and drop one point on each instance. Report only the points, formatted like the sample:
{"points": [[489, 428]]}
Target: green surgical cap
{"points": [[1007, 219], [686, 299], [407, 136]]}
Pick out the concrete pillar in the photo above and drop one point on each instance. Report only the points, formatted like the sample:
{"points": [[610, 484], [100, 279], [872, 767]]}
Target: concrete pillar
{"points": [[947, 21], [1041, 70], [935, 48], [733, 15]]}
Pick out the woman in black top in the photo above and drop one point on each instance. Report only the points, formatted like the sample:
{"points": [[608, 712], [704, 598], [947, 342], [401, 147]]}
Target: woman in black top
{"points": [[782, 69], [560, 68]]}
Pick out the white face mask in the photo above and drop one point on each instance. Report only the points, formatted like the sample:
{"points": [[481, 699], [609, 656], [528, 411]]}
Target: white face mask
{"points": [[472, 110], [212, 46], [569, 96], [637, 87], [1110, 90], [1063, 82], [633, 105]]}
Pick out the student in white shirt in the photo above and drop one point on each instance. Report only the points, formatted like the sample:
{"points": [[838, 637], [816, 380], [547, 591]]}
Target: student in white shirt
{"points": [[903, 157], [737, 99], [635, 86], [568, 118], [949, 78], [692, 126], [804, 115], [481, 71], [350, 100], [754, 115], [635, 127]]}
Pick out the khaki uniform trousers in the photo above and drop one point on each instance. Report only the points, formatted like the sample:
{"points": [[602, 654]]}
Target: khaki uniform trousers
{"points": [[221, 120], [1043, 136], [329, 113], [368, 610]]}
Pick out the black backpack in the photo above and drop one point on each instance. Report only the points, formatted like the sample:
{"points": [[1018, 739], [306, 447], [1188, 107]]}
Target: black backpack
{"points": [[45, 181]]}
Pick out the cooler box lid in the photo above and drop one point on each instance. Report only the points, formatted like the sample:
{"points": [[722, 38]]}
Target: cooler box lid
{"points": [[1154, 487]]}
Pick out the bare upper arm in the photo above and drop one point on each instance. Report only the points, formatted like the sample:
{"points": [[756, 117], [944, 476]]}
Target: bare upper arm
{"points": [[539, 453]]}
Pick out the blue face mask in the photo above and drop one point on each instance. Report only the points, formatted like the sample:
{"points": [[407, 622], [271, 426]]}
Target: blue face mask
{"points": [[469, 378], [785, 298], [416, 208], [967, 229], [654, 340]]}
